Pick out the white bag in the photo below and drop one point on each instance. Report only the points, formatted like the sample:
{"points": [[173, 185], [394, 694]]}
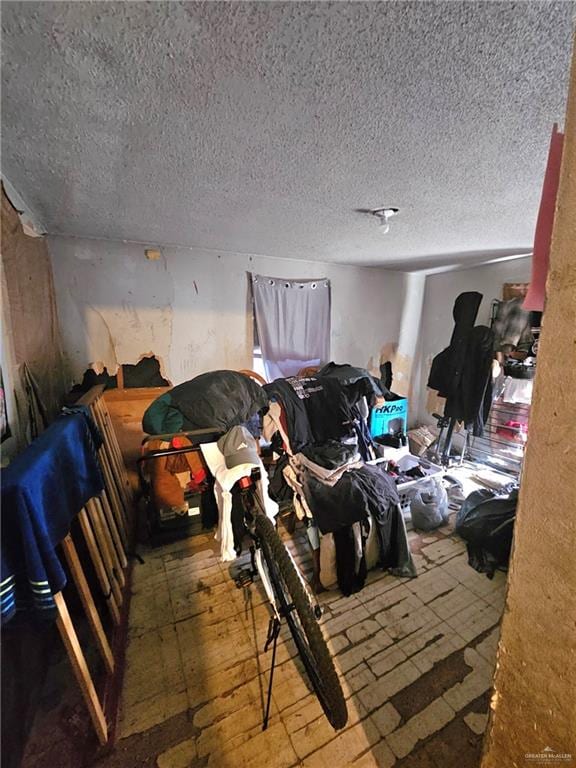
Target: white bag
{"points": [[429, 506]]}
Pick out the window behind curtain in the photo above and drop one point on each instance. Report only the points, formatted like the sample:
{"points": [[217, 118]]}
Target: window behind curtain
{"points": [[292, 323]]}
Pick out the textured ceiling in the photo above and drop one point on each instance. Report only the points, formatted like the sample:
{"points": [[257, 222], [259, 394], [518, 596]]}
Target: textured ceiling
{"points": [[261, 127]]}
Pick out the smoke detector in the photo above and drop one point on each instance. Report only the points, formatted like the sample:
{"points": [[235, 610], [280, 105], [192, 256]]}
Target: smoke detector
{"points": [[384, 215]]}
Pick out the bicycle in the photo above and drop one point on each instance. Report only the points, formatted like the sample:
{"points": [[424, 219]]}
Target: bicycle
{"points": [[288, 593]]}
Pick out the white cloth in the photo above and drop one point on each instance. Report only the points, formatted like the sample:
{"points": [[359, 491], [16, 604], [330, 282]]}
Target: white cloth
{"points": [[300, 504], [272, 423], [224, 480], [293, 320]]}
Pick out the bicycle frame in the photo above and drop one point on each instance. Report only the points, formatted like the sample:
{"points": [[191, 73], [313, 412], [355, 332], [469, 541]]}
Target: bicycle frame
{"points": [[291, 601]]}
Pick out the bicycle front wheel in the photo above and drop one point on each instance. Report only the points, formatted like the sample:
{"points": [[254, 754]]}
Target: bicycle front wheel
{"points": [[295, 606]]}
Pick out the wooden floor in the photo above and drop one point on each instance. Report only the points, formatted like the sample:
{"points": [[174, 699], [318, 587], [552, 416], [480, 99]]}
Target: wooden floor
{"points": [[416, 658]]}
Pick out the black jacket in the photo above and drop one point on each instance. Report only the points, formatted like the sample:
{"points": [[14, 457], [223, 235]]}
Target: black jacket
{"points": [[462, 372]]}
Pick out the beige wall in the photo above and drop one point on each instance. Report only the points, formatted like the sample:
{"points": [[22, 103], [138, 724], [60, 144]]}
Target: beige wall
{"points": [[192, 310], [534, 704]]}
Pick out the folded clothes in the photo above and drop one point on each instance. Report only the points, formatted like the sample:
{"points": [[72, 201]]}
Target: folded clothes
{"points": [[325, 476], [331, 454]]}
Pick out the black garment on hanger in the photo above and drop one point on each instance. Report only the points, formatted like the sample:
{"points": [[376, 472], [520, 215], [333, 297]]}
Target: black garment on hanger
{"points": [[462, 372], [446, 369], [476, 383]]}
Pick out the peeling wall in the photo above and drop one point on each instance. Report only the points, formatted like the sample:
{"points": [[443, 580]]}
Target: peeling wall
{"points": [[405, 360], [192, 309], [31, 334], [437, 322]]}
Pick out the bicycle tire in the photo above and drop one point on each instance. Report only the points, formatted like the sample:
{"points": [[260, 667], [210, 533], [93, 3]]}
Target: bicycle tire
{"points": [[308, 636]]}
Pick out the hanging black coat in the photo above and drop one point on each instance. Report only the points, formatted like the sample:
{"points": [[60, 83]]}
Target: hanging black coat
{"points": [[447, 366], [462, 372]]}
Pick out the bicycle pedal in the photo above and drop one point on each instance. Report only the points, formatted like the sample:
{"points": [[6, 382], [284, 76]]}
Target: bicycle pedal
{"points": [[318, 611], [244, 579]]}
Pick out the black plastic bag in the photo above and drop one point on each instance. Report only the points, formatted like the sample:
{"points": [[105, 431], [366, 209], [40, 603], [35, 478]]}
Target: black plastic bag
{"points": [[486, 523]]}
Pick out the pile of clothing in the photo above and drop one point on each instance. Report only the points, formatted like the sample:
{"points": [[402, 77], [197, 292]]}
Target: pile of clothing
{"points": [[218, 400], [320, 408], [318, 427], [179, 480], [486, 523], [228, 404]]}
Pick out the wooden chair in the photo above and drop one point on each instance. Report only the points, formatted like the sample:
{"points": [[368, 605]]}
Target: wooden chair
{"points": [[311, 370], [253, 375]]}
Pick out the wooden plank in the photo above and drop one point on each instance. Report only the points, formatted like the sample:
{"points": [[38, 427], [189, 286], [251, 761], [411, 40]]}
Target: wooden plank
{"points": [[93, 393], [126, 409], [115, 500], [96, 505], [88, 602], [80, 668], [120, 377], [100, 406], [134, 393], [116, 449], [115, 471], [98, 563], [113, 525], [98, 417], [105, 546]]}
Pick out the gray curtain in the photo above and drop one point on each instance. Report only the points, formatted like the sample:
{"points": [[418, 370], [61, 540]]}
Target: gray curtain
{"points": [[293, 323]]}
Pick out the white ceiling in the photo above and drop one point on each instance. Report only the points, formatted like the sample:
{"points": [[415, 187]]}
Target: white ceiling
{"points": [[261, 127]]}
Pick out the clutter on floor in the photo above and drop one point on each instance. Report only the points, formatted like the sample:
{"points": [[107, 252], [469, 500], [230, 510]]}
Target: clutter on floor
{"points": [[411, 655], [332, 456], [318, 429], [334, 459], [486, 523]]}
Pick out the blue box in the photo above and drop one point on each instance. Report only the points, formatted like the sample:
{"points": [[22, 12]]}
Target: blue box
{"points": [[390, 419]]}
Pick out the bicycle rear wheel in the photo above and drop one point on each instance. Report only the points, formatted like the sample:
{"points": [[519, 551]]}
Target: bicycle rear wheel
{"points": [[295, 606]]}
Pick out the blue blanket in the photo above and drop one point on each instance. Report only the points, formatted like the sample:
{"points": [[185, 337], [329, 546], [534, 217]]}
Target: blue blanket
{"points": [[43, 489]]}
